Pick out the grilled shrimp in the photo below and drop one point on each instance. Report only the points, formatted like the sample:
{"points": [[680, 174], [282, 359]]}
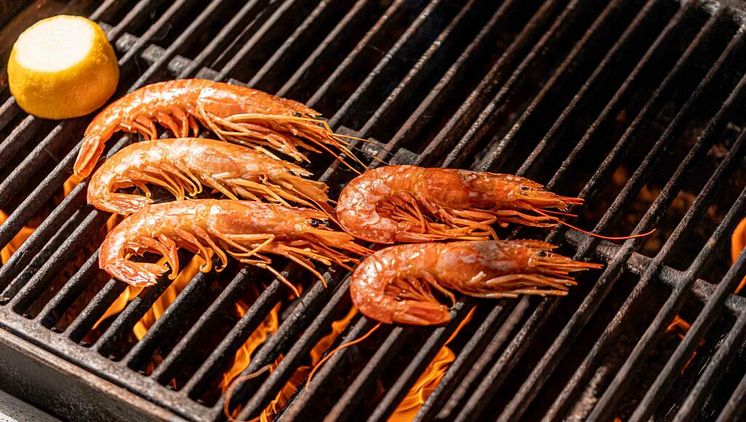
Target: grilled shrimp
{"points": [[417, 204], [395, 285], [245, 230], [183, 166], [234, 113]]}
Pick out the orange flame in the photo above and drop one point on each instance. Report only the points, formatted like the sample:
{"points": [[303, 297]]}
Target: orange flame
{"points": [[243, 355], [26, 231], [737, 244], [430, 378], [16, 242], [680, 326], [300, 374], [166, 298], [337, 327]]}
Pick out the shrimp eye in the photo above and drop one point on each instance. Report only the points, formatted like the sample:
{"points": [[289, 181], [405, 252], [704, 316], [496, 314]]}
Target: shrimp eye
{"points": [[315, 222], [542, 254], [525, 188]]}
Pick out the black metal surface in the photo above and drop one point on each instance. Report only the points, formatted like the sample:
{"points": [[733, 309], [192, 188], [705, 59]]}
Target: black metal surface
{"points": [[632, 104]]}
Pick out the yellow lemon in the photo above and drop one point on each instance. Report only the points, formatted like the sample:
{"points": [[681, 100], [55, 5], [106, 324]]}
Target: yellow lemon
{"points": [[62, 67]]}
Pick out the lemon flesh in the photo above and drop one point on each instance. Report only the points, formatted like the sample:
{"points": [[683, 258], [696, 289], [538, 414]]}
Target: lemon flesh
{"points": [[62, 67]]}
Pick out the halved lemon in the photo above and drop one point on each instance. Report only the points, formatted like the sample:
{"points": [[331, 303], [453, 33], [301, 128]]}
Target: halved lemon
{"points": [[62, 67]]}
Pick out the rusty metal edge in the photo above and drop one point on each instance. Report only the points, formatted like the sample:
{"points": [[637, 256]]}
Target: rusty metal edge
{"points": [[85, 396]]}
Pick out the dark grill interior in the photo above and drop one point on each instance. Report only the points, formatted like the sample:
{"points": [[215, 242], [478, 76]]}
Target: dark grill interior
{"points": [[634, 105]]}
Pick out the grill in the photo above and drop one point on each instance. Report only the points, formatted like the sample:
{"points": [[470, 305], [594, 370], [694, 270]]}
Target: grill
{"points": [[634, 105]]}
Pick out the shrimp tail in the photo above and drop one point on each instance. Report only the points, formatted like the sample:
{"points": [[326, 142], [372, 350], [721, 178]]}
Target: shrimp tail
{"points": [[91, 148], [136, 273]]}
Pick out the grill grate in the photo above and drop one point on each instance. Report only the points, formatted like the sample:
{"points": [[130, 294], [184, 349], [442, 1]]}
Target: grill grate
{"points": [[633, 104]]}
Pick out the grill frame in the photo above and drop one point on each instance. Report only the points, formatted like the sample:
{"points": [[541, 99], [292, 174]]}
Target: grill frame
{"points": [[471, 118]]}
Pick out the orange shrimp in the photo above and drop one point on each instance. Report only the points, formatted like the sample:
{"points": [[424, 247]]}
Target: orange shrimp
{"points": [[245, 230], [395, 285], [417, 204], [234, 113], [183, 166]]}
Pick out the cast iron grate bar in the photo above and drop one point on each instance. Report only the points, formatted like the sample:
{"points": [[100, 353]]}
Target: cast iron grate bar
{"points": [[651, 273], [269, 388], [496, 76], [736, 405], [550, 359], [451, 80], [716, 124], [614, 60], [558, 37], [398, 391]]}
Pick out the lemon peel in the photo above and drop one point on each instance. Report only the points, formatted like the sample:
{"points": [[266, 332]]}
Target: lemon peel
{"points": [[62, 67]]}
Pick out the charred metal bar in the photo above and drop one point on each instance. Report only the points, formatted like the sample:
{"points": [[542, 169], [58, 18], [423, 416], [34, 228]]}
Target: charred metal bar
{"points": [[394, 15], [67, 208], [343, 30], [715, 370], [420, 118], [568, 66], [292, 359], [445, 41], [651, 273], [549, 360], [736, 405], [713, 127], [228, 296], [481, 361], [355, 330]]}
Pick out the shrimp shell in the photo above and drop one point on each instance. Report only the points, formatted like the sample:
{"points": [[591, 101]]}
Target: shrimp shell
{"points": [[245, 230], [234, 113], [395, 285], [184, 166], [417, 204]]}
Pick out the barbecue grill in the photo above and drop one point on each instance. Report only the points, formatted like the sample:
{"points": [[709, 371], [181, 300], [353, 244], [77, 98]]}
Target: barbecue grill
{"points": [[635, 105]]}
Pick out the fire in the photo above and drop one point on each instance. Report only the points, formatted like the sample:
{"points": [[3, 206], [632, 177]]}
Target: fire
{"points": [[737, 244], [295, 381], [16, 242], [26, 231], [680, 326], [411, 403], [166, 298], [337, 326], [243, 355], [425, 385], [302, 372]]}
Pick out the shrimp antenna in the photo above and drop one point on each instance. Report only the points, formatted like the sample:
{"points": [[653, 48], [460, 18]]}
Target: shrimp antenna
{"points": [[339, 348], [232, 387], [375, 157], [596, 235]]}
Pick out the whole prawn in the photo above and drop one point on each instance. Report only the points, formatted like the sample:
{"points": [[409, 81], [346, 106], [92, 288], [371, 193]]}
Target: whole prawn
{"points": [[184, 166], [234, 113], [417, 204], [396, 284], [245, 230]]}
